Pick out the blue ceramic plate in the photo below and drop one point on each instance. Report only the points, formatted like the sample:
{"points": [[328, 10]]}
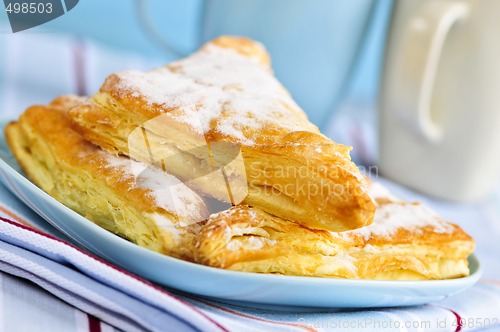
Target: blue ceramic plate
{"points": [[250, 289]]}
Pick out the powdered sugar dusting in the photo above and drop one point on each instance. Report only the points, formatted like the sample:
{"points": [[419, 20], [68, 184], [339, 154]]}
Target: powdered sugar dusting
{"points": [[220, 84], [249, 243], [168, 192], [391, 217], [166, 224]]}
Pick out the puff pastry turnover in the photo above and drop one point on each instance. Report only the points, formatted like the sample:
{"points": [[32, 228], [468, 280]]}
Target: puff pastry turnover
{"points": [[140, 203], [407, 241], [222, 123]]}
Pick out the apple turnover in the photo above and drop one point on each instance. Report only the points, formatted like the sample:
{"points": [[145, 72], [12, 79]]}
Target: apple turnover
{"points": [[221, 122]]}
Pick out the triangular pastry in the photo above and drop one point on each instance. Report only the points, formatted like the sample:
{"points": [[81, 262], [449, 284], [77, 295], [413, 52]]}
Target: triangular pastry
{"points": [[220, 121]]}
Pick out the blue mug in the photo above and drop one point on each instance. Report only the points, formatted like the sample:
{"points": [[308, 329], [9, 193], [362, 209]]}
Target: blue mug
{"points": [[313, 44]]}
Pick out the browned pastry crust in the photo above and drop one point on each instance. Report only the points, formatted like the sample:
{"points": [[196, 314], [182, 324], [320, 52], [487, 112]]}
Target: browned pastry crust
{"points": [[103, 187], [177, 116], [406, 241]]}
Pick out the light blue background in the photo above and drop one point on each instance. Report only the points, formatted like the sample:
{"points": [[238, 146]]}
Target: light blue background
{"points": [[125, 25]]}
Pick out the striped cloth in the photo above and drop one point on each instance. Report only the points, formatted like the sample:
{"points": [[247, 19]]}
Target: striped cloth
{"points": [[49, 284]]}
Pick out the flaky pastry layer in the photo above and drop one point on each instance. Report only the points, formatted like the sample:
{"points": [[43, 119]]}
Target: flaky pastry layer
{"points": [[406, 241], [148, 207], [176, 117]]}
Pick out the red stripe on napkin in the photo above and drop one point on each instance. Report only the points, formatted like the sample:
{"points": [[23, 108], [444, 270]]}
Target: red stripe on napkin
{"points": [[143, 281], [94, 324]]}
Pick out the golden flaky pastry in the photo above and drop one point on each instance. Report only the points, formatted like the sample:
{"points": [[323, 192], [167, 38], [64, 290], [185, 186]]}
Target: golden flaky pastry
{"points": [[407, 241], [155, 210], [220, 121], [140, 203]]}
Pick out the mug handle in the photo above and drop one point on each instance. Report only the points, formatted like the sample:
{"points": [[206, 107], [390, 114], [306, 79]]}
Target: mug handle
{"points": [[417, 63], [142, 11]]}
